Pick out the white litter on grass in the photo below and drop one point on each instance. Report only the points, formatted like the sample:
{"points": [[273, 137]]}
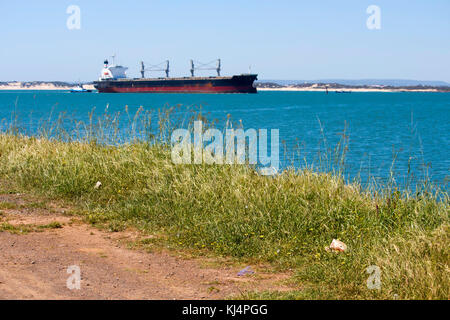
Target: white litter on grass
{"points": [[98, 185], [336, 246]]}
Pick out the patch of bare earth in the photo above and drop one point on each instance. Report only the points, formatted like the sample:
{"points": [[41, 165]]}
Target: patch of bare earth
{"points": [[34, 265]]}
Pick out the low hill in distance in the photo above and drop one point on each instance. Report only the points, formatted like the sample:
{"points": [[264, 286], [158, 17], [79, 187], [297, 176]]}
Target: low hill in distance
{"points": [[347, 88]]}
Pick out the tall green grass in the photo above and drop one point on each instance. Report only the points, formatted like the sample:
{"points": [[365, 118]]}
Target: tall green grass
{"points": [[230, 210]]}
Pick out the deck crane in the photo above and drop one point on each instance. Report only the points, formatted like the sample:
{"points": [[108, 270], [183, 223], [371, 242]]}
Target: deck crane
{"points": [[206, 66], [156, 67]]}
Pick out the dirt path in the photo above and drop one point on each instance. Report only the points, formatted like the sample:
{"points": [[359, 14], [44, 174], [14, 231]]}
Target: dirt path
{"points": [[33, 264]]}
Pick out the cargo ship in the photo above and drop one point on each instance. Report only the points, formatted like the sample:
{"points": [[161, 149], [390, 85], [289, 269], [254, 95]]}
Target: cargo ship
{"points": [[113, 79]]}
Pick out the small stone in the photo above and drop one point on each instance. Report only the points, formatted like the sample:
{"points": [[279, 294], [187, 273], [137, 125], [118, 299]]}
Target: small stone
{"points": [[246, 271]]}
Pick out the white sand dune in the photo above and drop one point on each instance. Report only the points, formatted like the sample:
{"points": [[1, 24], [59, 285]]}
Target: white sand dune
{"points": [[17, 85]]}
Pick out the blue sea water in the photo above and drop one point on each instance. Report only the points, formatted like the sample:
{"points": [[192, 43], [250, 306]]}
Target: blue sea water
{"points": [[407, 134]]}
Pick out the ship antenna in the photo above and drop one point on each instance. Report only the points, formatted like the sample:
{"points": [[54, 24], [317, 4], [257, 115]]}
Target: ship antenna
{"points": [[192, 68], [113, 59], [167, 69], [218, 67]]}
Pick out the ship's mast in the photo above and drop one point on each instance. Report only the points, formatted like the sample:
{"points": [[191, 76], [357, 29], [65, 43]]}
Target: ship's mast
{"points": [[167, 69], [218, 67], [192, 68], [142, 70]]}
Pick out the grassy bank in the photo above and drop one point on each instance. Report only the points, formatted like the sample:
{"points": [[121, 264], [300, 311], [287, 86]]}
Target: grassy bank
{"points": [[285, 220]]}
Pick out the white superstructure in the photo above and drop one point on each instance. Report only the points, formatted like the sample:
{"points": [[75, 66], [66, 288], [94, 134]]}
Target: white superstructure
{"points": [[112, 72]]}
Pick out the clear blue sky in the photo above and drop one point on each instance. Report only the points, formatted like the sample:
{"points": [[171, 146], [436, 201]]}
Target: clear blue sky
{"points": [[283, 39]]}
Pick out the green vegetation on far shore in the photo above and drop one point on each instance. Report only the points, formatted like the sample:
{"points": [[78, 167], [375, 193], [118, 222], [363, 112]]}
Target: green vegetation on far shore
{"points": [[231, 210]]}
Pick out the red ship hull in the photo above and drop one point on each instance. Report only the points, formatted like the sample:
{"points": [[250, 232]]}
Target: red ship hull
{"points": [[235, 84]]}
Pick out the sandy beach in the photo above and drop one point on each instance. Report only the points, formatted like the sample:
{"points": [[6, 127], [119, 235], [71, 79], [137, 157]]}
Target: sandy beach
{"points": [[312, 89]]}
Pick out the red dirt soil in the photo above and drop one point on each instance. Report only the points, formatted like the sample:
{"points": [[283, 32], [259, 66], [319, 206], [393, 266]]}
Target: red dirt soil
{"points": [[34, 265]]}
